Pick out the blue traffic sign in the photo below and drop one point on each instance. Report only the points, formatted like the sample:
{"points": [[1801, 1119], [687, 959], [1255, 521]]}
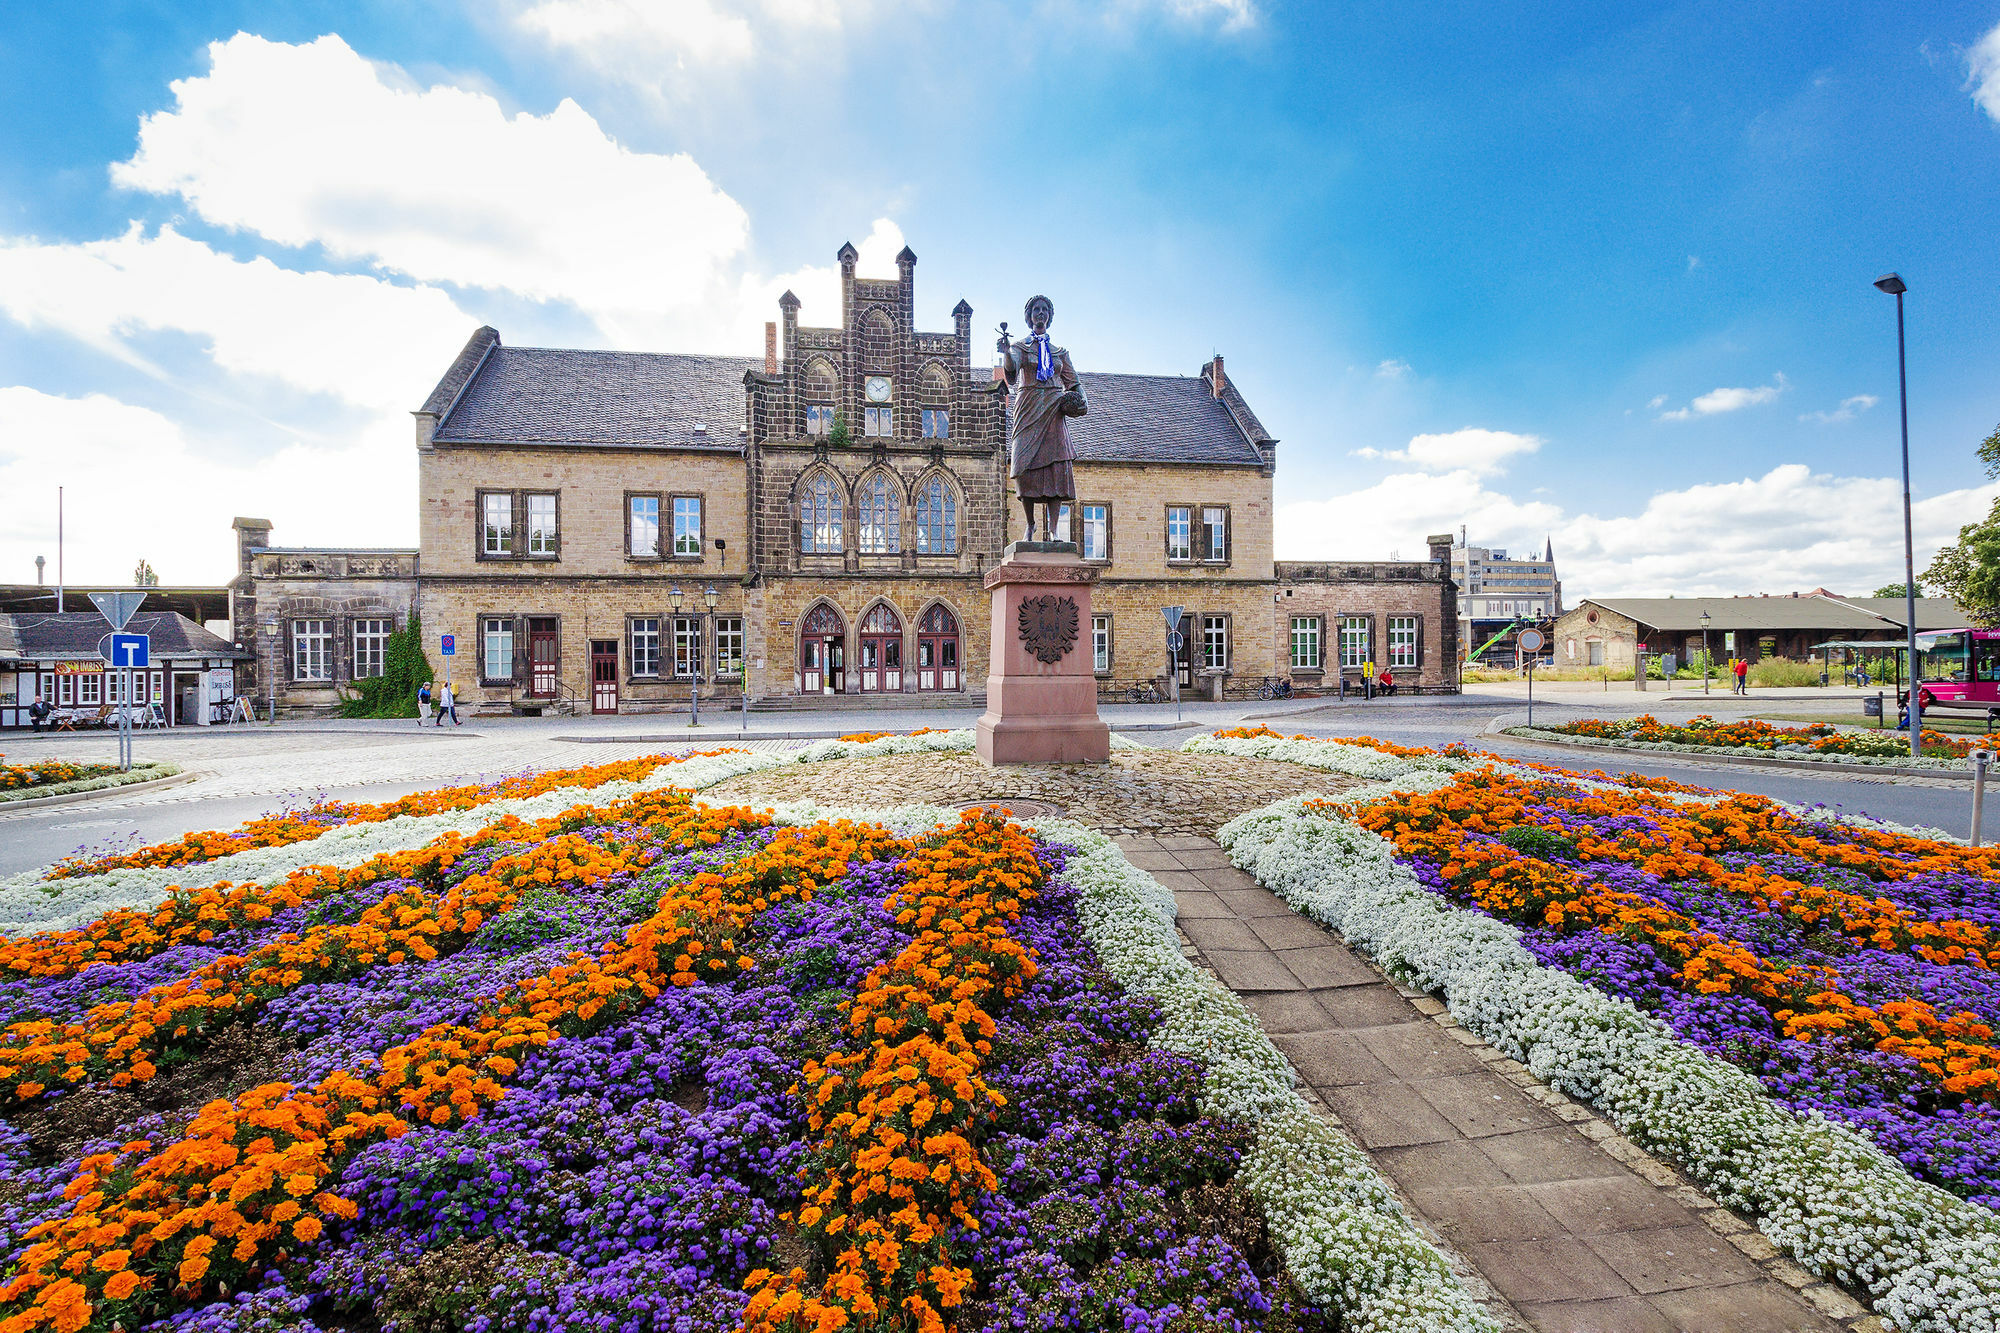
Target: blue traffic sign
{"points": [[130, 650], [448, 645]]}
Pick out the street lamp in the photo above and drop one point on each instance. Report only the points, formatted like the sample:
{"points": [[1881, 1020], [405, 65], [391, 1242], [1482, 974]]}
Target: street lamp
{"points": [[708, 596], [1895, 286], [1705, 658], [674, 599]]}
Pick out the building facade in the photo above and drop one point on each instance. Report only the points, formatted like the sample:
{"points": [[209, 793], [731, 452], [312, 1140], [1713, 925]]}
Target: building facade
{"points": [[1611, 632], [1496, 592], [613, 530], [56, 656]]}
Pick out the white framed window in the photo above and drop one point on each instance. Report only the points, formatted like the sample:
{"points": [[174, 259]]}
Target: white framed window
{"points": [[1215, 531], [1402, 642], [937, 423], [1063, 531], [1353, 641], [498, 646], [1100, 643], [729, 645], [371, 645], [1215, 643], [820, 514], [819, 419], [90, 687], [1305, 643], [687, 647], [937, 519], [1180, 532], [687, 525], [645, 652], [542, 524], [496, 523], [1097, 532], [312, 650], [881, 505], [878, 421], [642, 525]]}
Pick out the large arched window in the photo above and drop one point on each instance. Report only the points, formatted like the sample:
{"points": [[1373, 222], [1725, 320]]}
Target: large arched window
{"points": [[821, 510], [881, 505], [937, 518]]}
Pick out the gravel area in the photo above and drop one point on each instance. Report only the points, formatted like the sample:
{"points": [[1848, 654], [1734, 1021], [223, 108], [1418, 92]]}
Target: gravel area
{"points": [[1139, 791]]}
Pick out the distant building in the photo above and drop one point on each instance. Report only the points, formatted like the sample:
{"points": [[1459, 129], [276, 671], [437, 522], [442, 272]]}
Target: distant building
{"points": [[1607, 631], [56, 656], [1496, 590]]}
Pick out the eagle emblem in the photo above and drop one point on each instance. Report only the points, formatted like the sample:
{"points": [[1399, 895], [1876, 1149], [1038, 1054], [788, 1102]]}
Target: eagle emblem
{"points": [[1048, 627]]}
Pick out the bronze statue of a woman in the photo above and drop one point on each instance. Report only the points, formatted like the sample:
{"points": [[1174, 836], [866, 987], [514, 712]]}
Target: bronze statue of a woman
{"points": [[1045, 392]]}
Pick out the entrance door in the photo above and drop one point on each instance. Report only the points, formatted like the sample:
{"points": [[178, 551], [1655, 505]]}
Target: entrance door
{"points": [[1184, 659], [937, 649], [822, 652], [882, 651], [542, 660], [604, 675]]}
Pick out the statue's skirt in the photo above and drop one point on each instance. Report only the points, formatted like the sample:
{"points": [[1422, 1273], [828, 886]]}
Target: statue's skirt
{"points": [[1055, 481]]}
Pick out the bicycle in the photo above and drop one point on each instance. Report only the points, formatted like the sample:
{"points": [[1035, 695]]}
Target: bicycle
{"points": [[1275, 687], [1149, 693]]}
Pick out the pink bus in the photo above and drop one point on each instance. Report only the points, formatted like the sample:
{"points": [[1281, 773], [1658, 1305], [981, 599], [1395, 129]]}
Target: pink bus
{"points": [[1958, 670]]}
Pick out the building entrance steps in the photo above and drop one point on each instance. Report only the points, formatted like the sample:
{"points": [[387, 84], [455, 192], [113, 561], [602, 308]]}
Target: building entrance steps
{"points": [[1573, 1226]]}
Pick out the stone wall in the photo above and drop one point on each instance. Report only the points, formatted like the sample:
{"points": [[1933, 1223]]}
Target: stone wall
{"points": [[1138, 497], [287, 586], [1374, 591]]}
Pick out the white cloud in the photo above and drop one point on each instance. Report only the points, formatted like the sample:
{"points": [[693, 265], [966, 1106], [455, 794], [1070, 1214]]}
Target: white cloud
{"points": [[1473, 450], [1399, 511], [1694, 262], [1982, 67], [313, 144], [348, 335], [1234, 14], [635, 40], [1849, 409], [817, 286], [1717, 401], [1656, 402], [136, 486], [1392, 369]]}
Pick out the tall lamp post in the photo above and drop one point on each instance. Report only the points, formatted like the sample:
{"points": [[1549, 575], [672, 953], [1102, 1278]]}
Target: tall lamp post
{"points": [[708, 600], [674, 599], [1895, 286], [1706, 659]]}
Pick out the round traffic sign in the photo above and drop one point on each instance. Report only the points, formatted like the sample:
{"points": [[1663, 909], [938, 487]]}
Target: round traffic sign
{"points": [[1173, 641], [1532, 641]]}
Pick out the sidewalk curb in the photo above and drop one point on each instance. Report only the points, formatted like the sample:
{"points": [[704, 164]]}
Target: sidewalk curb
{"points": [[68, 797], [1494, 728], [738, 737]]}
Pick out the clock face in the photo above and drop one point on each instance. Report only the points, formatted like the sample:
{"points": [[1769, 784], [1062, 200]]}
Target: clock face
{"points": [[878, 388]]}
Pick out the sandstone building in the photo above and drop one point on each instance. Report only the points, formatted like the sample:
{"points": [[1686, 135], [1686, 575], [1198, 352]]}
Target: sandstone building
{"points": [[612, 529]]}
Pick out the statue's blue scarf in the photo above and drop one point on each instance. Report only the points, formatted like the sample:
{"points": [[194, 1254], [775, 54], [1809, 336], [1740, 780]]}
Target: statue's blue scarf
{"points": [[1045, 361]]}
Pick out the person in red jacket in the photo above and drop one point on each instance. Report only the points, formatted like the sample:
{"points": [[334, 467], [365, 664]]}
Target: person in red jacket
{"points": [[1741, 667]]}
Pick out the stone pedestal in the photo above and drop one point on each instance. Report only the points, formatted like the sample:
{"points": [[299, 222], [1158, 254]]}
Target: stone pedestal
{"points": [[1041, 694]]}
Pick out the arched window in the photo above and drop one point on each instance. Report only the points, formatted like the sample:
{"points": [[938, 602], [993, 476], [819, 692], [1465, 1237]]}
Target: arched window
{"points": [[937, 649], [819, 396], [937, 518], [881, 504], [934, 395], [821, 510]]}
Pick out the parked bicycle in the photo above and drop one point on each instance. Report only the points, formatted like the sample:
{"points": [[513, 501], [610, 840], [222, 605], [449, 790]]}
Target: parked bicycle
{"points": [[1148, 693], [1275, 687]]}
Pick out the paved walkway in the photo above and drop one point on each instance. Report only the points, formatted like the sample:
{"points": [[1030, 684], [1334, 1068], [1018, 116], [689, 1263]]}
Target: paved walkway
{"points": [[1579, 1230]]}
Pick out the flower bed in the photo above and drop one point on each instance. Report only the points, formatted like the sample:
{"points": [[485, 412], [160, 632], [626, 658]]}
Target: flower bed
{"points": [[647, 1064], [1797, 1010], [96, 777], [1817, 741], [48, 772]]}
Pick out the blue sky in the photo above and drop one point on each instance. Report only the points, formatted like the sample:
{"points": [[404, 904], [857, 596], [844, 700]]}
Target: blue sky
{"points": [[1596, 272]]}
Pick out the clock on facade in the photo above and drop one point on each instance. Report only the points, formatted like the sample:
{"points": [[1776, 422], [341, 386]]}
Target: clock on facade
{"points": [[878, 388]]}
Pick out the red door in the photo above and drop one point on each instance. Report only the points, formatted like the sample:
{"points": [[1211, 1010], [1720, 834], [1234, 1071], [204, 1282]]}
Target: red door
{"points": [[937, 650], [542, 659], [822, 652], [604, 675], [881, 651]]}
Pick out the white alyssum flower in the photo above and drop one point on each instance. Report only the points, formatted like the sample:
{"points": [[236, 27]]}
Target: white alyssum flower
{"points": [[1335, 756], [1685, 747], [1822, 1192]]}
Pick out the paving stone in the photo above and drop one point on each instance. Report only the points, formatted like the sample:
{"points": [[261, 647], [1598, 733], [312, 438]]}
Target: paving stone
{"points": [[1610, 1203], [1228, 877], [1180, 881], [1250, 971], [1182, 842], [1292, 932], [1332, 1059], [1750, 1307], [1223, 933], [1619, 1314], [1199, 904], [1480, 1104], [1413, 1050], [1482, 1213], [1557, 1269], [1154, 861], [1325, 966], [1247, 903], [1539, 1156], [1755, 1244], [1388, 1115], [1363, 1007], [1288, 1012], [1210, 858], [1452, 1163], [1673, 1258], [1831, 1301]]}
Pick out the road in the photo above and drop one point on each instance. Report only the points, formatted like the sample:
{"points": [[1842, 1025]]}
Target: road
{"points": [[245, 772]]}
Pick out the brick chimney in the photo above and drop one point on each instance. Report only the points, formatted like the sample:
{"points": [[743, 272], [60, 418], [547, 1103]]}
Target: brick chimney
{"points": [[770, 347], [1216, 379]]}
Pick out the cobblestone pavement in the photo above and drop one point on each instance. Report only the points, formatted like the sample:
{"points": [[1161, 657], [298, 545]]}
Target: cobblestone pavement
{"points": [[1140, 791], [1576, 1228]]}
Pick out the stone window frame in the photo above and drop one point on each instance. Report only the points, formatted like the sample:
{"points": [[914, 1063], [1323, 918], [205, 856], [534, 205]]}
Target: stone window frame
{"points": [[934, 423], [1367, 639], [331, 635], [523, 508], [1167, 532], [1110, 642], [354, 624], [873, 414], [518, 515], [670, 646], [898, 498], [1109, 548], [670, 540], [659, 529], [1202, 552], [1416, 644], [1318, 663], [480, 496], [954, 495], [842, 498], [1228, 641], [484, 622], [632, 673], [742, 636]]}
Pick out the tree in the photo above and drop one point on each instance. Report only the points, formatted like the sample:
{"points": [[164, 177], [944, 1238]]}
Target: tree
{"points": [[143, 575], [1968, 572], [1896, 590]]}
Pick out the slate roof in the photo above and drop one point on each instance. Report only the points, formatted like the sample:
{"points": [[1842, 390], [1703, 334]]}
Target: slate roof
{"points": [[547, 395], [1157, 419], [74, 635], [1683, 614]]}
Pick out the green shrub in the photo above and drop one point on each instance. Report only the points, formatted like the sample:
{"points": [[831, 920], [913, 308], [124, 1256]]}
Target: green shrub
{"points": [[404, 669], [1783, 672]]}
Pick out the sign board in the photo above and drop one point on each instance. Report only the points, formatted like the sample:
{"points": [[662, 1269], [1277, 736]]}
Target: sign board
{"points": [[129, 650], [448, 645], [1173, 641], [1532, 641], [79, 668], [118, 607], [1173, 615]]}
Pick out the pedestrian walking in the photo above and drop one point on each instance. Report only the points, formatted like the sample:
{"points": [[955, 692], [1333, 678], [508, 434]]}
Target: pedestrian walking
{"points": [[448, 703], [423, 703], [1741, 666]]}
